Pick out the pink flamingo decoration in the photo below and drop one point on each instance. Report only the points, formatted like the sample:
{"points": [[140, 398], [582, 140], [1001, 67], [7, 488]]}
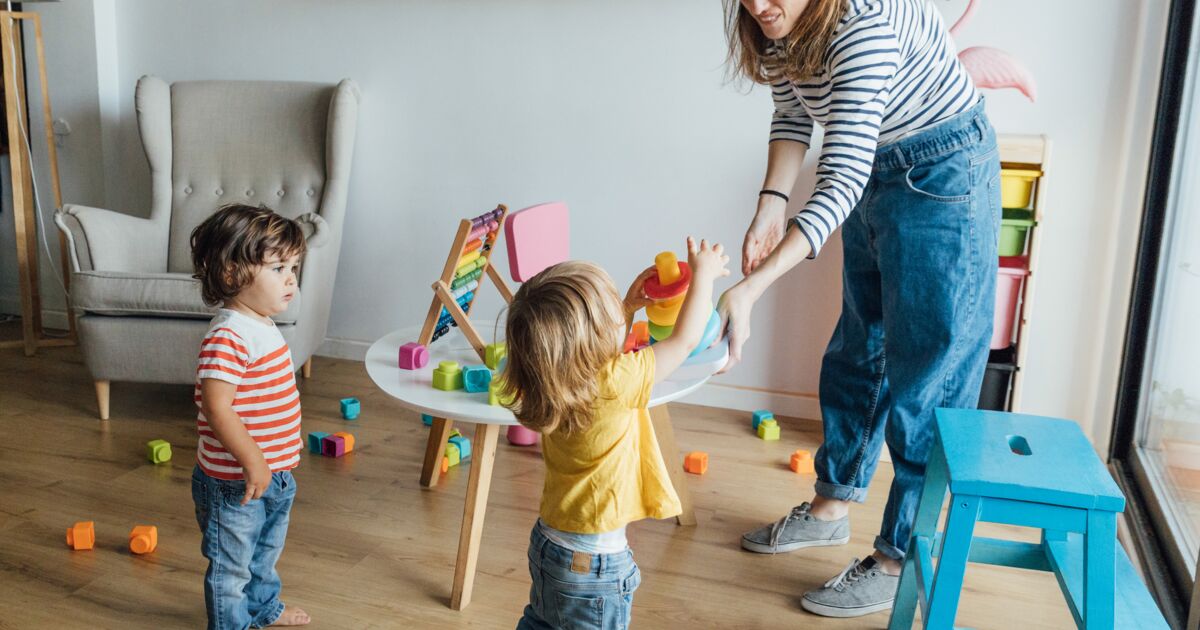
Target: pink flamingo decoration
{"points": [[993, 68]]}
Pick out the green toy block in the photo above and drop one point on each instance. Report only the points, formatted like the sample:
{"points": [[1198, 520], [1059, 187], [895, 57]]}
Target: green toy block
{"points": [[448, 376], [759, 416], [453, 454], [494, 397], [768, 429], [493, 353], [464, 446], [476, 378], [158, 451]]}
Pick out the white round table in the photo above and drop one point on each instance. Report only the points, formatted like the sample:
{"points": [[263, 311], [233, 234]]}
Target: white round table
{"points": [[414, 389]]}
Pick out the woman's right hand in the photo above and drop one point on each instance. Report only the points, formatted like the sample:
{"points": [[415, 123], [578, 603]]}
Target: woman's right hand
{"points": [[734, 308], [765, 232]]}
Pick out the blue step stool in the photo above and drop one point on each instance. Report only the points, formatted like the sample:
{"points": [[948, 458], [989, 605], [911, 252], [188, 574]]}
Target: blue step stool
{"points": [[1028, 471]]}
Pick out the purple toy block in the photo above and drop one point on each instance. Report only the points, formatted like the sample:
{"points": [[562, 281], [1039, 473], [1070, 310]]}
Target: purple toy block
{"points": [[413, 356], [333, 446]]}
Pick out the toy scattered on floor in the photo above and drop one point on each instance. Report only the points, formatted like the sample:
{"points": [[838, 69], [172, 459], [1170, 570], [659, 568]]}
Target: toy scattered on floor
{"points": [[82, 535], [768, 429], [413, 356], [314, 441], [427, 419], [350, 408], [453, 456], [447, 376], [520, 436], [158, 451], [143, 539], [668, 289], [476, 378], [337, 444], [802, 462], [696, 462], [494, 353], [458, 450], [464, 445], [759, 416]]}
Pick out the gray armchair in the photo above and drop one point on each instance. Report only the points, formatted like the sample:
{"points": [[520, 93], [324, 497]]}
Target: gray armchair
{"points": [[209, 143]]}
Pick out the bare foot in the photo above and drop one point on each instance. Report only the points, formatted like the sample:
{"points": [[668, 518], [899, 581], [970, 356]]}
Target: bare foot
{"points": [[292, 616]]}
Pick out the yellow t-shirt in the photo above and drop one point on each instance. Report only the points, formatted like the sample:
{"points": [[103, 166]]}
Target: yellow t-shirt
{"points": [[613, 473]]}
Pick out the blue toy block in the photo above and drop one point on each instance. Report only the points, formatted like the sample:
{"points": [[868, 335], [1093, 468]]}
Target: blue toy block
{"points": [[463, 444], [314, 441], [759, 416], [350, 408], [476, 378], [427, 419]]}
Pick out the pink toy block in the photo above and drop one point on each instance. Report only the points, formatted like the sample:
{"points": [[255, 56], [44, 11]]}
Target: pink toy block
{"points": [[413, 356], [520, 436], [538, 237]]}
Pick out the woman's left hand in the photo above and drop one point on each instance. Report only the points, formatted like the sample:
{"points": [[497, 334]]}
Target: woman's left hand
{"points": [[734, 307]]}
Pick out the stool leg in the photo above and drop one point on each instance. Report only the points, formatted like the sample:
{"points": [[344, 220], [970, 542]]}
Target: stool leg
{"points": [[956, 548], [933, 493], [1099, 560]]}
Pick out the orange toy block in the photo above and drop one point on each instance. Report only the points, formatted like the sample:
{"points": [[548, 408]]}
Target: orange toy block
{"points": [[696, 462], [82, 535], [348, 439], [445, 463], [802, 462], [143, 539]]}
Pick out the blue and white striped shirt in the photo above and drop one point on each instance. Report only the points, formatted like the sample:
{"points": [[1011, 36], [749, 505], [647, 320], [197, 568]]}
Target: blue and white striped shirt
{"points": [[891, 71]]}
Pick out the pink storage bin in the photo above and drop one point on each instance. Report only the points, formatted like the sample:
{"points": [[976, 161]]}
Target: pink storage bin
{"points": [[1012, 272]]}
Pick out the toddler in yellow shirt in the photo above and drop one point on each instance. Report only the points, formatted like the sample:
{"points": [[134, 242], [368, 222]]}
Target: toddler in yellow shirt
{"points": [[568, 380]]}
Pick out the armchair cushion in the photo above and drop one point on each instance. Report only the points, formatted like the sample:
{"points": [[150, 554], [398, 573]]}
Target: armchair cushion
{"points": [[150, 295]]}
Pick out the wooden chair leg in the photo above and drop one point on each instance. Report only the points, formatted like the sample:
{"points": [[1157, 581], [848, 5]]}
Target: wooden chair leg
{"points": [[476, 506], [306, 369], [102, 388], [666, 443], [439, 433]]}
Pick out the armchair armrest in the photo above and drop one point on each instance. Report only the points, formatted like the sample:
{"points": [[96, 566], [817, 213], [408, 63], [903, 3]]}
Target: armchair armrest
{"points": [[111, 241]]}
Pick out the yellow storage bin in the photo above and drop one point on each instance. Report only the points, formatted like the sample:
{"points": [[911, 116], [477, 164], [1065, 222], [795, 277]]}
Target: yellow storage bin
{"points": [[1016, 187]]}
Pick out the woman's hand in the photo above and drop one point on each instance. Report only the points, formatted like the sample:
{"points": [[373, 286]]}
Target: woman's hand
{"points": [[765, 232], [635, 297], [734, 307]]}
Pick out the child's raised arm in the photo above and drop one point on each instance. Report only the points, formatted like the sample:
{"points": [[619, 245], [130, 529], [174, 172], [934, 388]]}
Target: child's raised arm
{"points": [[707, 263]]}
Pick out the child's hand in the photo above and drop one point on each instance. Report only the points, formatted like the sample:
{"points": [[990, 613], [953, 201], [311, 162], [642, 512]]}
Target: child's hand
{"points": [[707, 262], [635, 297], [258, 479]]}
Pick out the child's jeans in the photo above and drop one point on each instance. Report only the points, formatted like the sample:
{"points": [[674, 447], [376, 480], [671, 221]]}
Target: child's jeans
{"points": [[577, 590], [242, 544]]}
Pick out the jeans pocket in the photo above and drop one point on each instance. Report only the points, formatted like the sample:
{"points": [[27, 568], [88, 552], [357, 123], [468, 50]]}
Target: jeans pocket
{"points": [[945, 178], [579, 612]]}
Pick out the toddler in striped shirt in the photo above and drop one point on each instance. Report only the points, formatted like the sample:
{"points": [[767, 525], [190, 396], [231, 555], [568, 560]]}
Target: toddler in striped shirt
{"points": [[247, 260]]}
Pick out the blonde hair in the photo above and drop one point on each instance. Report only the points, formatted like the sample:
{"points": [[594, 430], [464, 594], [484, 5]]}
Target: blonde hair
{"points": [[800, 56], [563, 327]]}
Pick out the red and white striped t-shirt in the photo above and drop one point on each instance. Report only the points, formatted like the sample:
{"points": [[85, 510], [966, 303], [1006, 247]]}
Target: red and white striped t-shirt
{"points": [[251, 354]]}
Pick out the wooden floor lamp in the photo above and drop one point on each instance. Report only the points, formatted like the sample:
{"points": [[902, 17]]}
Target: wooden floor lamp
{"points": [[25, 217]]}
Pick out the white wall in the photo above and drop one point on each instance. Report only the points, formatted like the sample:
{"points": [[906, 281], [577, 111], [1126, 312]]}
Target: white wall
{"points": [[620, 109]]}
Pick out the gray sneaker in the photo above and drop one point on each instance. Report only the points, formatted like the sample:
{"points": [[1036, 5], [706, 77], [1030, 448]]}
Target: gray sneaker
{"points": [[860, 589], [797, 530]]}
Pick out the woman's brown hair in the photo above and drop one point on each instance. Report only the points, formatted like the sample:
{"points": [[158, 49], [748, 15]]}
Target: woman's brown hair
{"points": [[798, 57], [563, 327], [228, 247]]}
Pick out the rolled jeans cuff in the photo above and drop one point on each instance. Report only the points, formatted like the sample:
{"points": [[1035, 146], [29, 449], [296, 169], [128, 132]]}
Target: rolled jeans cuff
{"points": [[841, 493]]}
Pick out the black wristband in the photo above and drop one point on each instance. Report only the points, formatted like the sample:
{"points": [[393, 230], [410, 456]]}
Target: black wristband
{"points": [[775, 193]]}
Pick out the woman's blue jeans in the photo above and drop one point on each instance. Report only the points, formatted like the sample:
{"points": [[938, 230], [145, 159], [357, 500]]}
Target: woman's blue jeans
{"points": [[918, 289]]}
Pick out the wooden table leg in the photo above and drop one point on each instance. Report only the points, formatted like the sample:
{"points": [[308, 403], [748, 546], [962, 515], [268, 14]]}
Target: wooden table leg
{"points": [[472, 524], [666, 443], [439, 433]]}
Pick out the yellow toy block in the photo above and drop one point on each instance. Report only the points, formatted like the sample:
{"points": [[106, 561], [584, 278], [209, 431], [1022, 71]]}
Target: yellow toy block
{"points": [[452, 455], [768, 429]]}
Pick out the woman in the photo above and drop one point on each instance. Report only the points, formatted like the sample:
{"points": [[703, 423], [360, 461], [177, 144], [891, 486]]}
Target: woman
{"points": [[909, 169]]}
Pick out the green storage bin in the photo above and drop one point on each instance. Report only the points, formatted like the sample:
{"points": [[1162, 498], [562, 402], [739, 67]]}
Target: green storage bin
{"points": [[1014, 228]]}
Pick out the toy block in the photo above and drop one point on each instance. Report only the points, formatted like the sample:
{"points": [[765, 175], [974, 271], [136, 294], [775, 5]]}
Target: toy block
{"points": [[641, 333], [521, 436], [413, 356], [463, 444], [445, 463], [333, 446], [802, 462], [427, 419], [696, 462], [453, 455], [82, 535], [454, 433], [476, 378], [143, 539], [347, 441], [658, 333], [493, 353], [448, 376], [759, 416], [158, 451], [495, 396], [768, 429], [314, 441], [350, 408]]}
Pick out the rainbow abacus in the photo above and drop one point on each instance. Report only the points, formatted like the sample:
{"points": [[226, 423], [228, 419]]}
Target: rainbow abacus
{"points": [[455, 290]]}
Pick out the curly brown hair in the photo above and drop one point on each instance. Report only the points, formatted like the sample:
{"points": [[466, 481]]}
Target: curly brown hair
{"points": [[228, 247], [798, 57]]}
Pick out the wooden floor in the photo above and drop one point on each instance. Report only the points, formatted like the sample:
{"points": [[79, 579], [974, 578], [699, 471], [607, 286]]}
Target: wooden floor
{"points": [[368, 548]]}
